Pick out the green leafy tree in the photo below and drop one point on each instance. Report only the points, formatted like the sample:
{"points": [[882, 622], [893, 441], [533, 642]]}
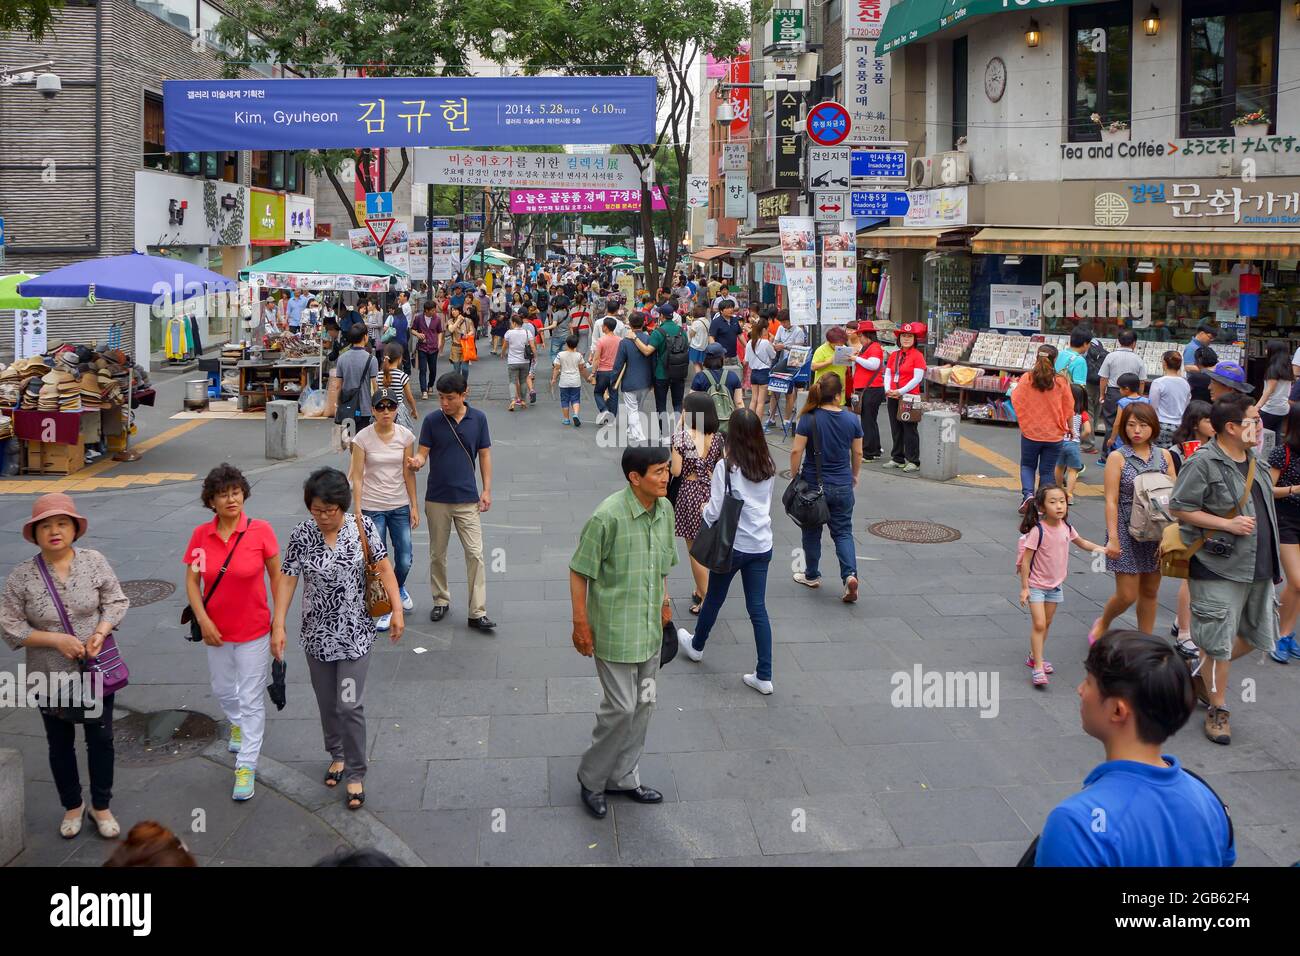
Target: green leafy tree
{"points": [[32, 17], [661, 38], [381, 37]]}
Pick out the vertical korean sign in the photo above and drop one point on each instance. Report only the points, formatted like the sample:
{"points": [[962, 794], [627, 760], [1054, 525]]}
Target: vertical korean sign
{"points": [[839, 268], [785, 173], [739, 98], [798, 253], [866, 83]]}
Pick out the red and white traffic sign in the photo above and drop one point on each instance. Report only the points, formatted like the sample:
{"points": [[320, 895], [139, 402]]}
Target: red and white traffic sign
{"points": [[379, 229], [831, 207]]}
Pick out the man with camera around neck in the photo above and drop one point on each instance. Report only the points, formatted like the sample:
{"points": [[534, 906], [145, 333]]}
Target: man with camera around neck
{"points": [[1232, 576]]}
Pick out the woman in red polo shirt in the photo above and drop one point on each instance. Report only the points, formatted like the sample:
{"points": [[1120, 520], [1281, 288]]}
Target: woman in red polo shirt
{"points": [[869, 382], [234, 615], [904, 372]]}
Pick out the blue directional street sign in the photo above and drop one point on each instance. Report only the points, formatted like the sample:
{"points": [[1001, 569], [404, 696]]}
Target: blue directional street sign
{"points": [[879, 163], [474, 220], [878, 202], [442, 223], [379, 204]]}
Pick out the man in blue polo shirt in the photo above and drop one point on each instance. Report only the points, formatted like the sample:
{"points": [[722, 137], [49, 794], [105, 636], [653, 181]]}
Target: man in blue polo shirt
{"points": [[294, 308], [1140, 807], [455, 436], [1205, 335], [725, 330]]}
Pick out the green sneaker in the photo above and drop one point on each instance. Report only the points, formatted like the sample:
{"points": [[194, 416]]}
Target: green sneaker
{"points": [[911, 466], [243, 783], [236, 739]]}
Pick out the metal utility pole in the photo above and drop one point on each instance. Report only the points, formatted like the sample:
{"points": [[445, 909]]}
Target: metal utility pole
{"points": [[428, 228], [462, 229]]}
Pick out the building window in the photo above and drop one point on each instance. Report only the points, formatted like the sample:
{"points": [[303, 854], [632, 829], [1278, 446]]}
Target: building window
{"points": [[959, 89], [261, 168], [154, 156], [1100, 68], [1229, 63], [179, 13]]}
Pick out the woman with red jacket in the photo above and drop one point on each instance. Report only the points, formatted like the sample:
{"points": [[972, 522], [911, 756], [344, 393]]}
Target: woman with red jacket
{"points": [[1044, 405], [904, 372], [869, 383]]}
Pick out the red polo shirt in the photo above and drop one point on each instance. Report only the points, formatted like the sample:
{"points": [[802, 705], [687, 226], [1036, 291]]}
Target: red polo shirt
{"points": [[239, 608]]}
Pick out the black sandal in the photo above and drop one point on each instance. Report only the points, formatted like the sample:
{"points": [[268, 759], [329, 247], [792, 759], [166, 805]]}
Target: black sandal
{"points": [[696, 603], [332, 777], [358, 798]]}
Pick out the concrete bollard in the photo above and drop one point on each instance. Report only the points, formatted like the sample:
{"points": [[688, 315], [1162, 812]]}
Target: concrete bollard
{"points": [[11, 805], [939, 445], [281, 430]]}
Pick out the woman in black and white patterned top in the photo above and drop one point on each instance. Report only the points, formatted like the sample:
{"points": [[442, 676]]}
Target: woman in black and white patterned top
{"points": [[337, 630]]}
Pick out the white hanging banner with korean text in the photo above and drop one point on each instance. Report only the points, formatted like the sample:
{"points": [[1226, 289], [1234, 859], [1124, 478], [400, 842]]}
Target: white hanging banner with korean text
{"points": [[866, 84], [736, 205], [502, 170], [839, 269], [799, 254]]}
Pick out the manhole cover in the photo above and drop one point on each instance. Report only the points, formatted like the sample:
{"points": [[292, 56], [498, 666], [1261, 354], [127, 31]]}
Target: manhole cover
{"points": [[146, 740], [148, 591], [915, 532]]}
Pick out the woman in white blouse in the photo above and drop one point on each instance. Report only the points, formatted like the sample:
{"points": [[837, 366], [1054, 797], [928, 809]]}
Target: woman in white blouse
{"points": [[759, 356], [752, 475]]}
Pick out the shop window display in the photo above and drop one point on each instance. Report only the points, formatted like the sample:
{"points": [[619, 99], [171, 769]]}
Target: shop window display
{"points": [[945, 293]]}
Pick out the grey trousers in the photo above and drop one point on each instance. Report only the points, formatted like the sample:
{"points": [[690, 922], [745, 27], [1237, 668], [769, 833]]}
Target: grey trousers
{"points": [[611, 761], [339, 687]]}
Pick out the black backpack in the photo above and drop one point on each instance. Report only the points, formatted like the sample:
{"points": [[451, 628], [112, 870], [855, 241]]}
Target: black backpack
{"points": [[677, 359], [1094, 357]]}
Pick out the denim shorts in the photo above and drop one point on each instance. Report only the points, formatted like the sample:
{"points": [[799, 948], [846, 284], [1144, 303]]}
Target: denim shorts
{"points": [[759, 376], [1070, 456], [570, 396], [1039, 596], [695, 355]]}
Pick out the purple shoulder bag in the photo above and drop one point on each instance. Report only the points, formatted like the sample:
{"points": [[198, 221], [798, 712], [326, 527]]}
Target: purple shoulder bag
{"points": [[109, 664]]}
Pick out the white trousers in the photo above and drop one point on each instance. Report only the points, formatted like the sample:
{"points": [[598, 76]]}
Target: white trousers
{"points": [[240, 673], [633, 402]]}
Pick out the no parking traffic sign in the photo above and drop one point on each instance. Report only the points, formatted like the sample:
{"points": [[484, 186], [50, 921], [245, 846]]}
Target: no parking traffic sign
{"points": [[829, 124]]}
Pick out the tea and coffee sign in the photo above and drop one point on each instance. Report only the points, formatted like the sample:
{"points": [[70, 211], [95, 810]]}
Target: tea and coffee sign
{"points": [[1261, 154]]}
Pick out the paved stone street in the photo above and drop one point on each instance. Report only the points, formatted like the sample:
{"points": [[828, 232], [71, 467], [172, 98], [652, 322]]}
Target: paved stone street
{"points": [[475, 738]]}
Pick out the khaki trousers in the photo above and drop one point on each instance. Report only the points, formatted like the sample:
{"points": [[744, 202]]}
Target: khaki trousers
{"points": [[470, 532], [611, 762]]}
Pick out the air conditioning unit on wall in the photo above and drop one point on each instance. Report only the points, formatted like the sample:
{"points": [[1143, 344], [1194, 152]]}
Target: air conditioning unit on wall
{"points": [[941, 169]]}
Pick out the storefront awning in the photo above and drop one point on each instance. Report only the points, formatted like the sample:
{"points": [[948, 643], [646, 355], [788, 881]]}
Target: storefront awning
{"points": [[1148, 243], [901, 237], [716, 252], [914, 20], [770, 254], [760, 238]]}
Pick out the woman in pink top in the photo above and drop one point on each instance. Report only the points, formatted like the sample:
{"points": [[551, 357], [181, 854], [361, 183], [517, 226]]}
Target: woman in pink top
{"points": [[1044, 560]]}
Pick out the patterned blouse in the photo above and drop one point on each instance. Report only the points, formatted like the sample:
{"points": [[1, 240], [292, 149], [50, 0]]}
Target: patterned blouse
{"points": [[91, 595], [335, 625]]}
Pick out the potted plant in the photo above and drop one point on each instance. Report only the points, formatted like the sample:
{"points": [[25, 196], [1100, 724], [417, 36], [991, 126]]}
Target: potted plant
{"points": [[1111, 132], [1251, 124], [960, 144]]}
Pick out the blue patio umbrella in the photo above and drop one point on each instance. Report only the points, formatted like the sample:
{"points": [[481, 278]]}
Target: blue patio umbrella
{"points": [[134, 277]]}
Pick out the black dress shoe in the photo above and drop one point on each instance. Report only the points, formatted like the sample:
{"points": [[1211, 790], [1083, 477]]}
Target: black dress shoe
{"points": [[594, 802], [482, 623], [439, 612], [640, 795]]}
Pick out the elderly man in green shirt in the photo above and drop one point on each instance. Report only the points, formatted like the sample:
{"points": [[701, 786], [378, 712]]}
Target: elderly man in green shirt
{"points": [[618, 582]]}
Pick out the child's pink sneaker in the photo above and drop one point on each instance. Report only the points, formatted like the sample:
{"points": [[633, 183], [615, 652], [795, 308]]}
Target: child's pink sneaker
{"points": [[1047, 665], [1040, 678]]}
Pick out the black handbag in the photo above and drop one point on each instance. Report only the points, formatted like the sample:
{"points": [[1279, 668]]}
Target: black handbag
{"points": [[668, 650], [187, 615], [805, 504], [715, 545]]}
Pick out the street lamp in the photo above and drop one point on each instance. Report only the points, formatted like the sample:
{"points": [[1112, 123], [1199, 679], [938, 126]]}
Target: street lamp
{"points": [[1151, 22], [725, 113], [1032, 35]]}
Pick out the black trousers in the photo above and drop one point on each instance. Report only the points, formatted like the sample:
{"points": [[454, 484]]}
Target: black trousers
{"points": [[62, 738], [663, 388], [872, 399], [906, 436]]}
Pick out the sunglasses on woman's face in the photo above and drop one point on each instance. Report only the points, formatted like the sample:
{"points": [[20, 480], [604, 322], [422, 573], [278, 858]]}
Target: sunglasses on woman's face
{"points": [[386, 408]]}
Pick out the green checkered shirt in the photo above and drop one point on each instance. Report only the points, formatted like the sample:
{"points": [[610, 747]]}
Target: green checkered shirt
{"points": [[625, 552]]}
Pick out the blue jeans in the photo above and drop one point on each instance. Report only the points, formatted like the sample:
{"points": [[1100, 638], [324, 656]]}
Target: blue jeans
{"points": [[428, 370], [753, 575], [1040, 455], [839, 499], [461, 368], [397, 524]]}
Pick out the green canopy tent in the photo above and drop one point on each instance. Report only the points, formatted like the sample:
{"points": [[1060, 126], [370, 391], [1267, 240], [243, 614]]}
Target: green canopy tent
{"points": [[325, 266], [616, 251], [487, 259], [629, 265], [9, 297], [914, 20]]}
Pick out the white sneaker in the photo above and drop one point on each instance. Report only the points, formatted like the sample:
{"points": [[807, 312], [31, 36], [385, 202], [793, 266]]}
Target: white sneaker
{"points": [[382, 622], [408, 602], [762, 686], [684, 638], [807, 582], [911, 466]]}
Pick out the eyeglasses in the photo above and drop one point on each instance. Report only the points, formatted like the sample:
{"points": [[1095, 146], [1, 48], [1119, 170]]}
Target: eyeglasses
{"points": [[325, 512]]}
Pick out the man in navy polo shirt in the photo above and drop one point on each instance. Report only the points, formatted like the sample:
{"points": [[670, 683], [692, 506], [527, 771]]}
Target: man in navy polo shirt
{"points": [[455, 436], [725, 329], [1140, 807]]}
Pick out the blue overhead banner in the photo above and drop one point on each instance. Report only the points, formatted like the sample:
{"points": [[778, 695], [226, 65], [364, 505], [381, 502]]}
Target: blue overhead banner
{"points": [[210, 115]]}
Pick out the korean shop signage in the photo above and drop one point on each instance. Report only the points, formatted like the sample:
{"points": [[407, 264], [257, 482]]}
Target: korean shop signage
{"points": [[774, 204], [1202, 203]]}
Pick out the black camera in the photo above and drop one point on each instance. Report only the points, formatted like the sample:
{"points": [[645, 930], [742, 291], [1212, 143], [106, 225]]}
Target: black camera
{"points": [[1219, 547]]}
